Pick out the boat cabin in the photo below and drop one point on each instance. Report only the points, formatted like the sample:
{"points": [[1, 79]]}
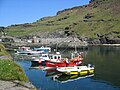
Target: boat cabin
{"points": [[52, 57], [55, 56], [44, 49], [24, 48]]}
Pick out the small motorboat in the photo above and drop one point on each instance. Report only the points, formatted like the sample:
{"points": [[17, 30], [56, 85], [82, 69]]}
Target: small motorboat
{"points": [[55, 57], [28, 51], [82, 70], [43, 49], [22, 50]]}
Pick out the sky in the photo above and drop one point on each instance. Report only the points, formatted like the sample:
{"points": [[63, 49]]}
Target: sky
{"points": [[28, 11]]}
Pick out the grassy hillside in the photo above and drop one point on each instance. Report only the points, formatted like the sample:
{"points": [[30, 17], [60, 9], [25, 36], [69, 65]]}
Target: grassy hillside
{"points": [[98, 17], [8, 69]]}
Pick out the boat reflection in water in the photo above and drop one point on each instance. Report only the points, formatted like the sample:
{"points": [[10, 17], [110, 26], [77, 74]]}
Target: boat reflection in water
{"points": [[67, 78], [61, 77]]}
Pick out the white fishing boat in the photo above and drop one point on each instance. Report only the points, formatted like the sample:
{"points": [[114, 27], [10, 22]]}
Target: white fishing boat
{"points": [[28, 51], [23, 50], [82, 70], [44, 49], [56, 57]]}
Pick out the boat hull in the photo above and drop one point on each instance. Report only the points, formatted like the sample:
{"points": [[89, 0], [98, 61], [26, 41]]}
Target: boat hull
{"points": [[82, 73], [81, 70], [62, 64]]}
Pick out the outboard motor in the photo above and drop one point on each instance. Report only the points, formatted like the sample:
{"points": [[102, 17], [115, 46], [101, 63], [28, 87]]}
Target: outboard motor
{"points": [[89, 65]]}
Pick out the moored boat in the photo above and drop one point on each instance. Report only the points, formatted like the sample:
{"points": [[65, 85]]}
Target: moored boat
{"points": [[55, 60], [63, 63], [28, 51], [43, 49], [55, 57], [22, 50], [82, 70], [75, 61]]}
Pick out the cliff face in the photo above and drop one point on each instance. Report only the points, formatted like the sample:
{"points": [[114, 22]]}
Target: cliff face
{"points": [[96, 22]]}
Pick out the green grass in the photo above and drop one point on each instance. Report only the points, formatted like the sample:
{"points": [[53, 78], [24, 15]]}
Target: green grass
{"points": [[3, 52], [9, 70]]}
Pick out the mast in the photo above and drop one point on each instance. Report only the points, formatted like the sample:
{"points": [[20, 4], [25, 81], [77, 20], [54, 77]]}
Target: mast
{"points": [[75, 42]]}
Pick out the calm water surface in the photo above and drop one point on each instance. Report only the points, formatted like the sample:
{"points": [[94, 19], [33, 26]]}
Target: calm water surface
{"points": [[106, 76]]}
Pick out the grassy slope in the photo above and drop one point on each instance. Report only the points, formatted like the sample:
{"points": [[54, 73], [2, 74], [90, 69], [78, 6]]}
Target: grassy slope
{"points": [[3, 52], [8, 69], [105, 10]]}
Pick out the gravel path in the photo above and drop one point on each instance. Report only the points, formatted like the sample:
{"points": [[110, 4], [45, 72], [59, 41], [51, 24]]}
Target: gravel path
{"points": [[9, 85]]}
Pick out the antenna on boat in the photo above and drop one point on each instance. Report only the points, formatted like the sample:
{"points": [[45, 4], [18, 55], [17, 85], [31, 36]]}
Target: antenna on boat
{"points": [[74, 37], [56, 46], [75, 46]]}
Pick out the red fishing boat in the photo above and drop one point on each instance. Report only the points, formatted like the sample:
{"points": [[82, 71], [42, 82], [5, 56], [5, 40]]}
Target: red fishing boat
{"points": [[76, 61]]}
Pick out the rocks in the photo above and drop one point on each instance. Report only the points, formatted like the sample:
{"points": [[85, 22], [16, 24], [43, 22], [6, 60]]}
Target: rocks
{"points": [[9, 85], [69, 10], [93, 41], [63, 18], [4, 57], [69, 42], [45, 18], [104, 39], [88, 16]]}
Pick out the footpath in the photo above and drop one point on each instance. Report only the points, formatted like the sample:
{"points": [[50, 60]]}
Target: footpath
{"points": [[14, 85]]}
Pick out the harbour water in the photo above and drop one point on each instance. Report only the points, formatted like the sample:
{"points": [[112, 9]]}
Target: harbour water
{"points": [[106, 77]]}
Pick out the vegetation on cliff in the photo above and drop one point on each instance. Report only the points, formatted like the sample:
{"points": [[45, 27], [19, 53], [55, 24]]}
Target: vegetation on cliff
{"points": [[98, 19], [8, 69]]}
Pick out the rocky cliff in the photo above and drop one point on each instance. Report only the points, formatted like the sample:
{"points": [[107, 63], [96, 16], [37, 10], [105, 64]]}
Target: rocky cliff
{"points": [[97, 22]]}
